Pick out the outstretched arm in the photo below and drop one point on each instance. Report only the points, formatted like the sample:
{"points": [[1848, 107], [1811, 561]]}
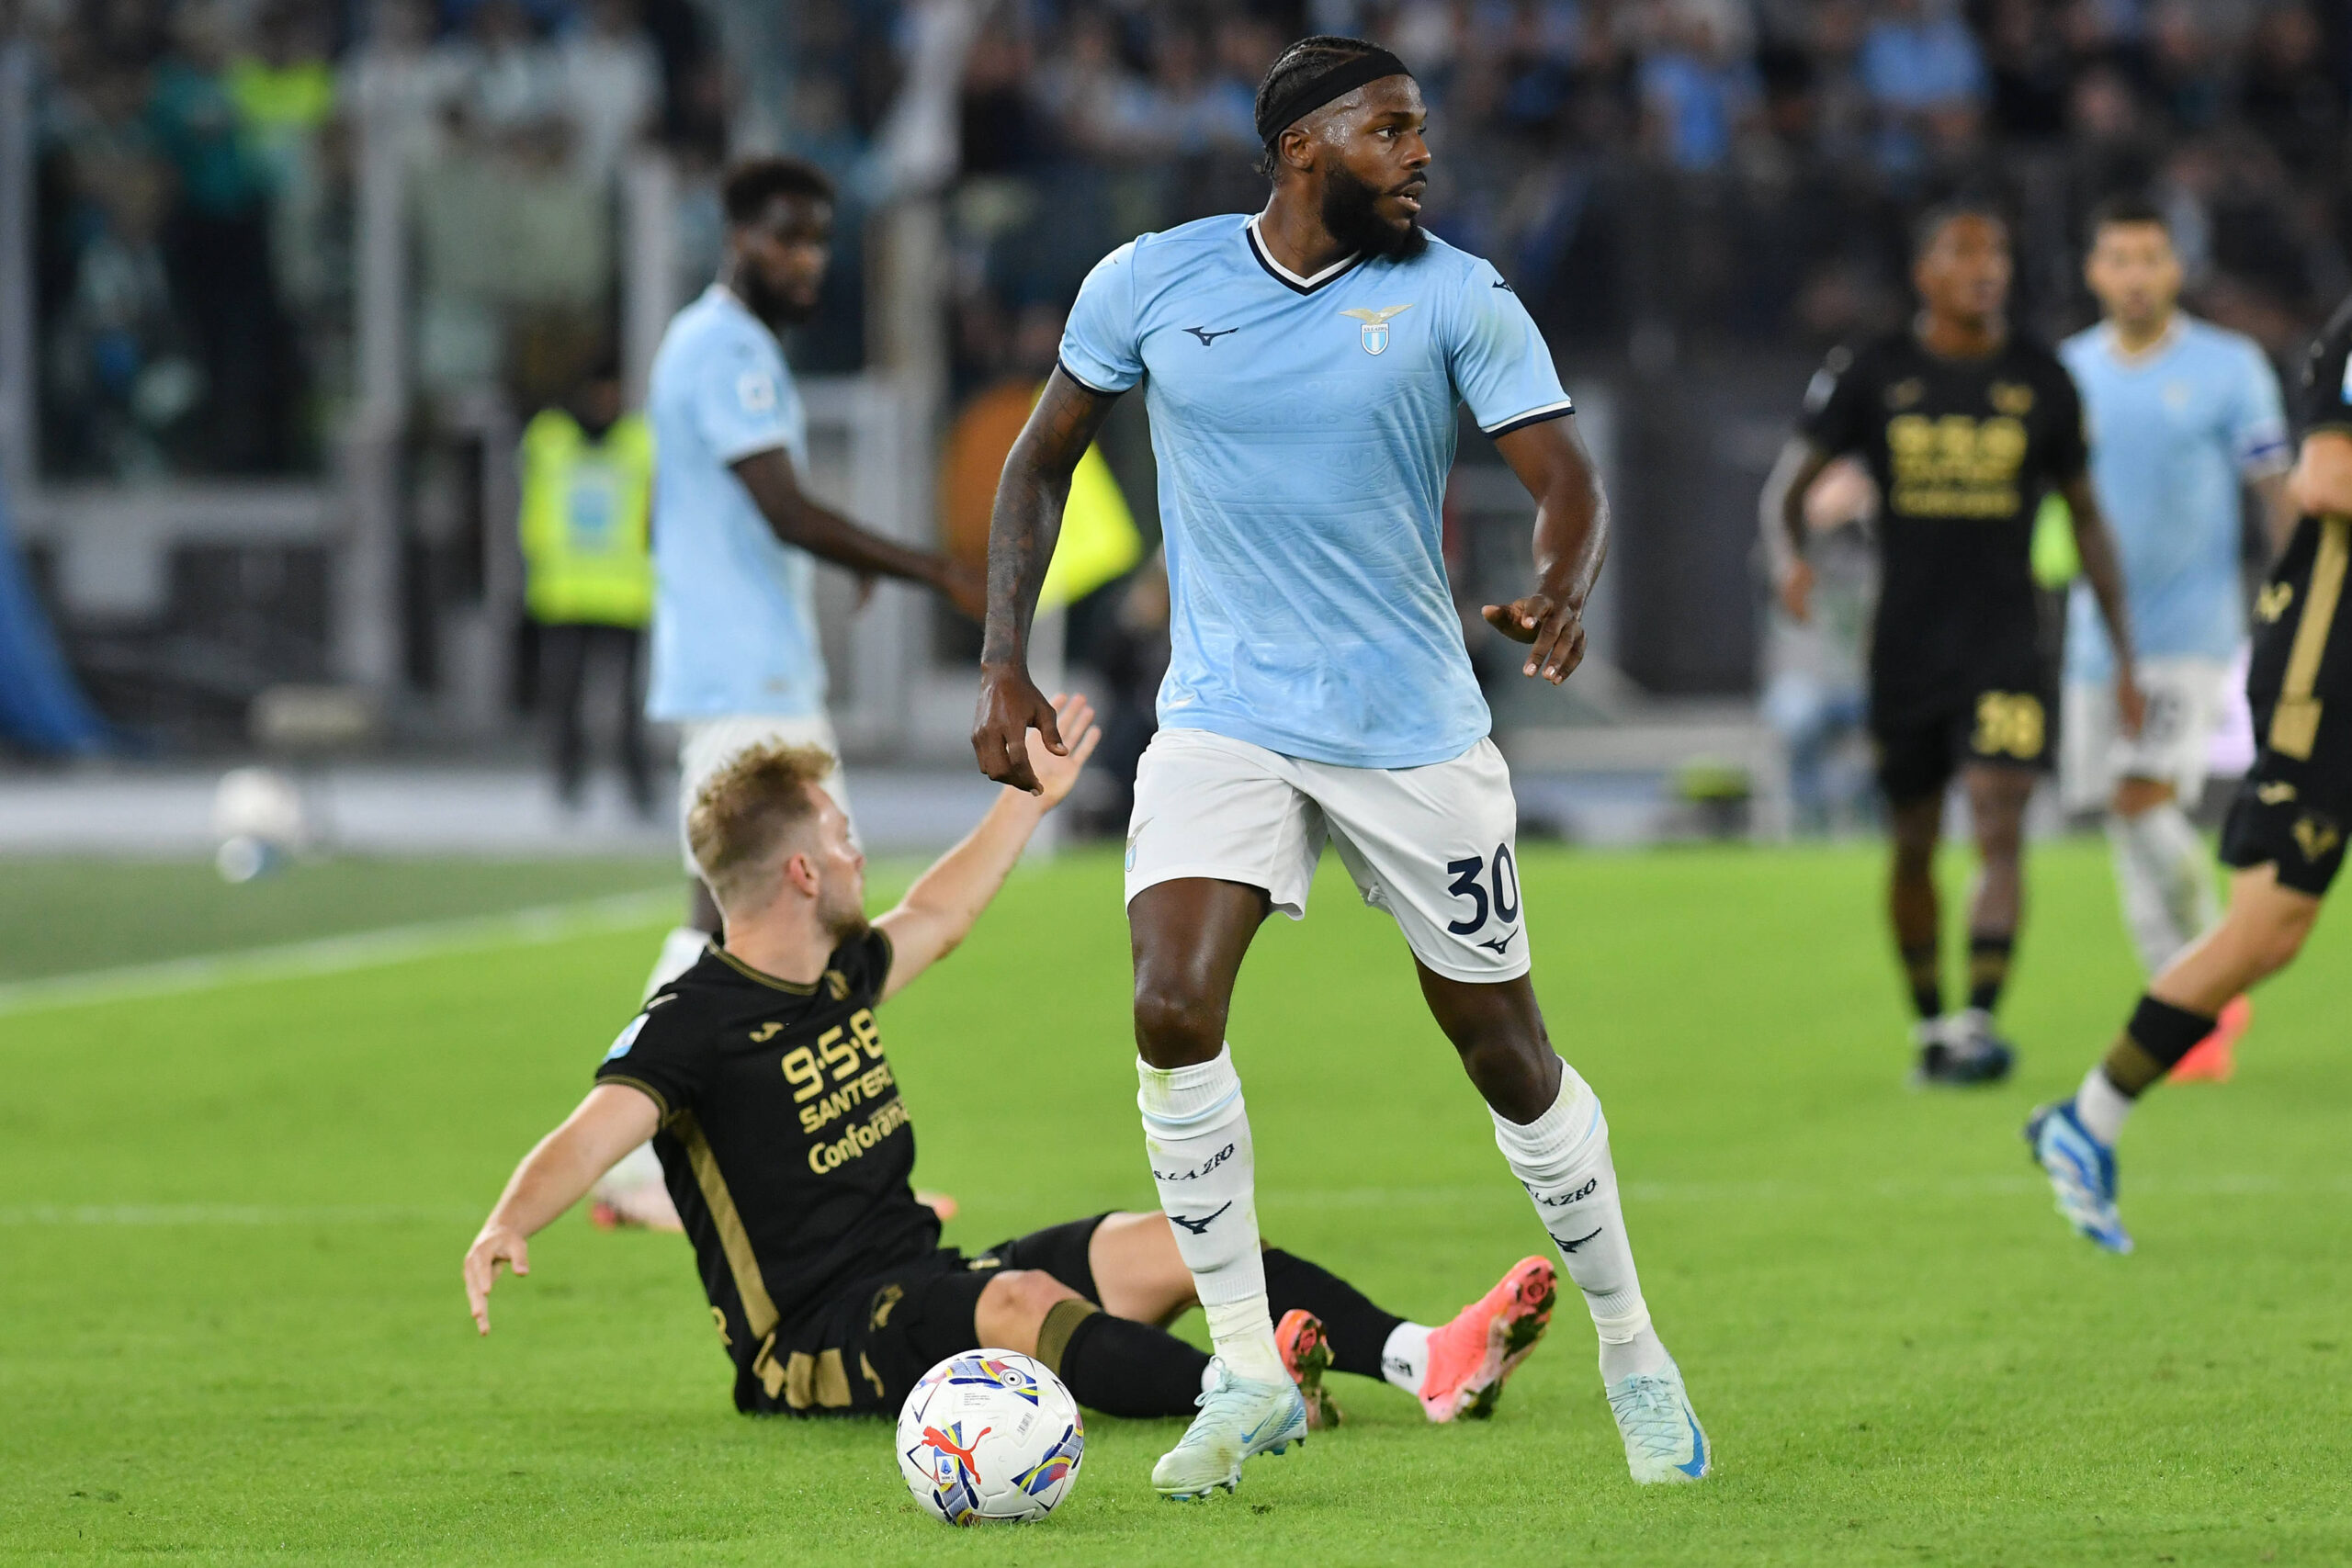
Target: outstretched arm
{"points": [[1571, 541], [798, 519], [1781, 520], [611, 1121], [2103, 570], [939, 910], [1028, 516]]}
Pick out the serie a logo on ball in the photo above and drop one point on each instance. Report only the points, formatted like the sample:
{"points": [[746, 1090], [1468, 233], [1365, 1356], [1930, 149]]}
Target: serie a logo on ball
{"points": [[989, 1436]]}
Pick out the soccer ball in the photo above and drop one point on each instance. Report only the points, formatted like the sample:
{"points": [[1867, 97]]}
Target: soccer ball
{"points": [[990, 1435]]}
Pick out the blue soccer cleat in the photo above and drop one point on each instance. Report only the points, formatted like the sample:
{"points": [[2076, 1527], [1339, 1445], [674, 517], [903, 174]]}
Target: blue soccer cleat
{"points": [[2081, 1171], [1663, 1441], [1239, 1419]]}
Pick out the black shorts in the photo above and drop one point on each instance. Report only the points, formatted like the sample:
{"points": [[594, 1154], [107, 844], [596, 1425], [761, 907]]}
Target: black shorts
{"points": [[2001, 724], [2295, 806], [863, 1350]]}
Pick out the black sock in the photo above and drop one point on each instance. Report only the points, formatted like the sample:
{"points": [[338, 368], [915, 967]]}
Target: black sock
{"points": [[1357, 1330], [1119, 1367], [1927, 985], [1988, 967], [2152, 1044]]}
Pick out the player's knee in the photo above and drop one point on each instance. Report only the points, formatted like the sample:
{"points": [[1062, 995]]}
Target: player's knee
{"points": [[1013, 1306], [1175, 1025], [2282, 933]]}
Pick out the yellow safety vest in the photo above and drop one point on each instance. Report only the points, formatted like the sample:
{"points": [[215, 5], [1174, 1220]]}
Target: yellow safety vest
{"points": [[587, 508]]}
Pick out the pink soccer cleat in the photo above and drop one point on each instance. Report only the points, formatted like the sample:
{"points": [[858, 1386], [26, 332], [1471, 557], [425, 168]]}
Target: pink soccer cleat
{"points": [[1306, 1356], [1470, 1357]]}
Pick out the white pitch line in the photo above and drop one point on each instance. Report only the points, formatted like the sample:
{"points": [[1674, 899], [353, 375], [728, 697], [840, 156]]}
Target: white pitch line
{"points": [[533, 926]]}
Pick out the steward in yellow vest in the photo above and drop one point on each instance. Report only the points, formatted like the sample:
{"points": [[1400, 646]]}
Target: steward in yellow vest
{"points": [[588, 569], [587, 507]]}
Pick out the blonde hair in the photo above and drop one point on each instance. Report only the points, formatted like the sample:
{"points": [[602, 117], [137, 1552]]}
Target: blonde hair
{"points": [[744, 811]]}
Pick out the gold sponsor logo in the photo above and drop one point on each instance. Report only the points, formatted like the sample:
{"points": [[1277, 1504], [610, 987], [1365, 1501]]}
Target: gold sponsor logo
{"points": [[2276, 792], [854, 1141], [1904, 393], [1955, 466], [848, 1097], [837, 985], [765, 1033], [2272, 602], [2316, 836], [2012, 398]]}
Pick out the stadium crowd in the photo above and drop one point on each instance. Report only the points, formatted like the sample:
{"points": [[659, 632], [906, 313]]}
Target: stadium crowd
{"points": [[1654, 171]]}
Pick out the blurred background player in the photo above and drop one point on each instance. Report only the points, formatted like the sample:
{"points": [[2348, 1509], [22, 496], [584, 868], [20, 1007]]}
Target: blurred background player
{"points": [[2180, 413], [735, 657], [1304, 368], [789, 1158], [1816, 694], [1964, 425], [586, 478], [2284, 837]]}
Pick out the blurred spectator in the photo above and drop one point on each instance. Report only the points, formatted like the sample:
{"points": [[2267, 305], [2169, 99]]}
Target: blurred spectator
{"points": [[218, 244], [1696, 94], [2291, 100], [1816, 693], [284, 90], [612, 85], [1925, 75]]}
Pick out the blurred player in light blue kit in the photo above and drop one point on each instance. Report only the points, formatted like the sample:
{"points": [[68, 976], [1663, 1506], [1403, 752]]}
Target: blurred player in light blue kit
{"points": [[736, 658], [2181, 415]]}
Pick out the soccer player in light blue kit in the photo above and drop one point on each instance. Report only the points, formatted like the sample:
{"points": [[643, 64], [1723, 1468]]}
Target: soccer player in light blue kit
{"points": [[1302, 369], [2181, 413], [736, 538]]}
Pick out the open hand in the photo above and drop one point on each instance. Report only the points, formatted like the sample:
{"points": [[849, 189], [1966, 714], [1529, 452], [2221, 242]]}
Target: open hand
{"points": [[1010, 706], [495, 1243], [1056, 772], [1554, 627]]}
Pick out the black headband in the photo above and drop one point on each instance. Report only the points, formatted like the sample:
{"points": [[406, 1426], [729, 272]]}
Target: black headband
{"points": [[1314, 89]]}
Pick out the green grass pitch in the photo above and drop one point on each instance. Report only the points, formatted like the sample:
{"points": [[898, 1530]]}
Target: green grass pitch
{"points": [[231, 1330]]}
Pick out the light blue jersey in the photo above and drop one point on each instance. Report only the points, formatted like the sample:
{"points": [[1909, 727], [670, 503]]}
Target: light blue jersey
{"points": [[1305, 428], [734, 619], [2173, 434]]}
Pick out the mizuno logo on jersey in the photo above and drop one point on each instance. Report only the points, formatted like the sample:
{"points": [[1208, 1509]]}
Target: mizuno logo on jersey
{"points": [[1208, 335], [1376, 326]]}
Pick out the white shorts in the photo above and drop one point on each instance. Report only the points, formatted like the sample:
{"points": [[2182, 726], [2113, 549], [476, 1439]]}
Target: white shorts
{"points": [[2187, 699], [707, 745], [1434, 846]]}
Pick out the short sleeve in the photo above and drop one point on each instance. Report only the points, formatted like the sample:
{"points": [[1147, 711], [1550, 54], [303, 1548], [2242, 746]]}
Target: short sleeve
{"points": [[2258, 418], [2069, 450], [1835, 401], [865, 963], [2326, 398], [739, 401], [662, 1056], [1102, 346], [1502, 369]]}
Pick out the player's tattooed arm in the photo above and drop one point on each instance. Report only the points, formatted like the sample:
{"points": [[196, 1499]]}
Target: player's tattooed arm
{"points": [[2103, 570], [1781, 519], [1571, 541], [799, 519], [1022, 530], [613, 1119]]}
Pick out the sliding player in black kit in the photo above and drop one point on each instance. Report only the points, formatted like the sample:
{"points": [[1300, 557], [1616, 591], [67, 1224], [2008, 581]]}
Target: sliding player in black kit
{"points": [[759, 1076], [2283, 839], [1965, 426]]}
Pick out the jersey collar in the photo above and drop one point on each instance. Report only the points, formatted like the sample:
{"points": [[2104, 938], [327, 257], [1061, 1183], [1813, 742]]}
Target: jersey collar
{"points": [[1284, 274], [2110, 341], [774, 982]]}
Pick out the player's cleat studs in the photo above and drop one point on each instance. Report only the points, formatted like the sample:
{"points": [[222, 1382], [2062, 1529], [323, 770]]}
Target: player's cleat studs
{"points": [[1306, 1355], [1471, 1357]]}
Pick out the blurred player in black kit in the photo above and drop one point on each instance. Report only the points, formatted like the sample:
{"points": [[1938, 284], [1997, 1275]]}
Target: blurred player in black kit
{"points": [[1965, 426]]}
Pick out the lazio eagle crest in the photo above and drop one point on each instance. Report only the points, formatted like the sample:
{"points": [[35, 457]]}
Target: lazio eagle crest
{"points": [[1376, 326]]}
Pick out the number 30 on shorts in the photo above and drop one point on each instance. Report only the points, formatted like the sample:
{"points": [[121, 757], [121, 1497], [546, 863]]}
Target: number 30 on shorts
{"points": [[2009, 724], [1500, 874]]}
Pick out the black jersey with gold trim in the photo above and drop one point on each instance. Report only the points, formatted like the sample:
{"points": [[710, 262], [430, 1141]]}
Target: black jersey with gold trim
{"points": [[1963, 451], [784, 1141]]}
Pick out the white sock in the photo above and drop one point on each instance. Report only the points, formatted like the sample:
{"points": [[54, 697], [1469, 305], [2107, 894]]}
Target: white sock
{"points": [[2164, 876], [2102, 1107], [1197, 1132], [1404, 1360], [681, 950], [1562, 1158]]}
